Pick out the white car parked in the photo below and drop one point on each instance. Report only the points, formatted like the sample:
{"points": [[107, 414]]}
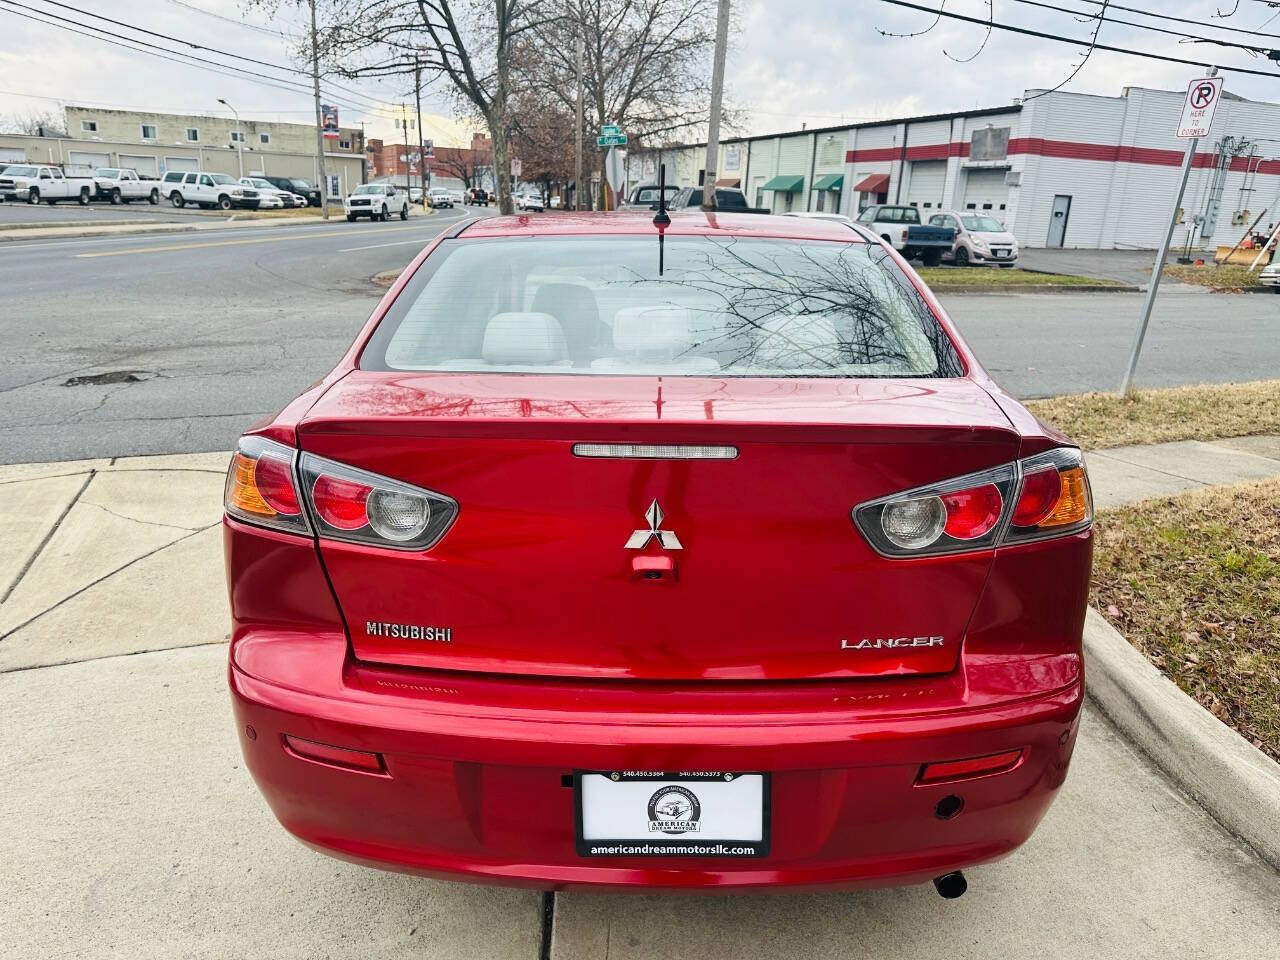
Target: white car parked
{"points": [[34, 182], [122, 185], [1270, 276], [208, 190], [530, 201], [980, 238], [267, 191], [439, 197], [377, 201]]}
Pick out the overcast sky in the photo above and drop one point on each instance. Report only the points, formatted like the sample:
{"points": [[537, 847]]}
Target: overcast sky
{"points": [[792, 62]]}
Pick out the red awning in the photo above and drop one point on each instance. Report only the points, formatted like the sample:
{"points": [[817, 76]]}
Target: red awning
{"points": [[729, 182], [876, 183]]}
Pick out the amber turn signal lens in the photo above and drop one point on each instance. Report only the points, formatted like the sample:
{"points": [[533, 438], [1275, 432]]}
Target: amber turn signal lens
{"points": [[1073, 504], [244, 489]]}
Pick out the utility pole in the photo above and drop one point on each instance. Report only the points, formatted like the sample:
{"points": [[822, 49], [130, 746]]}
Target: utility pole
{"points": [[404, 125], [1157, 269], [577, 163], [239, 136], [315, 87], [417, 97], [717, 90]]}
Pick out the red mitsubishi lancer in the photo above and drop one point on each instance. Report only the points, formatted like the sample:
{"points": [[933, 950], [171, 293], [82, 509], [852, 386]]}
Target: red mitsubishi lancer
{"points": [[688, 555]]}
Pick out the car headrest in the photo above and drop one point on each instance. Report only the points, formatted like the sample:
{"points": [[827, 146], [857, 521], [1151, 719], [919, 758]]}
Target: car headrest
{"points": [[652, 331], [525, 339], [789, 342]]}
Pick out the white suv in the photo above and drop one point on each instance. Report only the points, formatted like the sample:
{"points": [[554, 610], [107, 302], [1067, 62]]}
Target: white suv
{"points": [[208, 190], [377, 201]]}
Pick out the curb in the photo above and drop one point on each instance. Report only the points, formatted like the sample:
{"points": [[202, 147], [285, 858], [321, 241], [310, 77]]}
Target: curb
{"points": [[22, 235], [1235, 782], [1030, 288]]}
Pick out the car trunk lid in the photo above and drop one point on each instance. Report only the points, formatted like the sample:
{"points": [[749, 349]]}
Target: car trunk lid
{"points": [[549, 568]]}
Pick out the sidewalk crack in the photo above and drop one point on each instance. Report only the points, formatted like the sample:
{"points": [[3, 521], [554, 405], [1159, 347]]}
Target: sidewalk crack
{"points": [[47, 537], [106, 576]]}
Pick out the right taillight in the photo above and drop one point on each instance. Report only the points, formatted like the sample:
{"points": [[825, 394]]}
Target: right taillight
{"points": [[1053, 497], [362, 507], [1042, 496]]}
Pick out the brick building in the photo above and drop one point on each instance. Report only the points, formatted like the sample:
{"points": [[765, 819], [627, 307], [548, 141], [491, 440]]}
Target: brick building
{"points": [[456, 165]]}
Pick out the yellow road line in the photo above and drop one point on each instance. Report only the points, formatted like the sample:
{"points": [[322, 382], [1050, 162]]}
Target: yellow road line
{"points": [[133, 251]]}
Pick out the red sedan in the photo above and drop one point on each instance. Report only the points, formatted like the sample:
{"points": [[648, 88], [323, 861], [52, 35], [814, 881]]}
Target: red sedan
{"points": [[617, 554]]}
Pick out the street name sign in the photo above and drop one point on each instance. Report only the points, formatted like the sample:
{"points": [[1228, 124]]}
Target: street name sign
{"points": [[611, 140], [610, 130], [1201, 103]]}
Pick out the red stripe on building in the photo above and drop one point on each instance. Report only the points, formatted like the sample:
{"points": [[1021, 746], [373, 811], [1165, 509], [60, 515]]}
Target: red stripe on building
{"points": [[1067, 150]]}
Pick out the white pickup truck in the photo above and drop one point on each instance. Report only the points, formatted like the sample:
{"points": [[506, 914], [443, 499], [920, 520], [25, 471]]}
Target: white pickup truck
{"points": [[122, 185], [34, 182]]}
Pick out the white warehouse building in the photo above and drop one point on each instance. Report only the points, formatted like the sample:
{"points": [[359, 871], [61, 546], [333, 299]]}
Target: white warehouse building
{"points": [[1060, 169]]}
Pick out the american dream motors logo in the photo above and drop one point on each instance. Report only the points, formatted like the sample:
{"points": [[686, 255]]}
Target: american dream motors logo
{"points": [[675, 810]]}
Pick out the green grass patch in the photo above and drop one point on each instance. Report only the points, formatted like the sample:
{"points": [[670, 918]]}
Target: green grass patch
{"points": [[1002, 276], [1229, 277], [1194, 583], [1201, 412]]}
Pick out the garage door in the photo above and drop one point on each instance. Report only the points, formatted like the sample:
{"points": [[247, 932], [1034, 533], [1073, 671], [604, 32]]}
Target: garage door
{"points": [[181, 163], [84, 158], [146, 166], [13, 155], [928, 180], [985, 190]]}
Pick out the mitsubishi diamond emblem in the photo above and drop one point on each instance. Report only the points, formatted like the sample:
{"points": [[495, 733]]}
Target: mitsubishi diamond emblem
{"points": [[667, 539]]}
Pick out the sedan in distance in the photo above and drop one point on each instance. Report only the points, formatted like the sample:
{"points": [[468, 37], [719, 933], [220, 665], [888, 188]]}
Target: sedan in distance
{"points": [[701, 554]]}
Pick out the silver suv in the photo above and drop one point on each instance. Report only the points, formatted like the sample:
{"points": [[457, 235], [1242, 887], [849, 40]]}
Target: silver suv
{"points": [[208, 190]]}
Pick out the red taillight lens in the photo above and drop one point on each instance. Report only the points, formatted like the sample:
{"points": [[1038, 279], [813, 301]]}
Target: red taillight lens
{"points": [[972, 513], [904, 236], [1041, 490], [274, 479], [970, 768], [342, 504]]}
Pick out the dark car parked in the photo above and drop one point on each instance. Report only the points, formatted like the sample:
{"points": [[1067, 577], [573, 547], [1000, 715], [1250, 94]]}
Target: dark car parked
{"points": [[303, 188], [728, 200]]}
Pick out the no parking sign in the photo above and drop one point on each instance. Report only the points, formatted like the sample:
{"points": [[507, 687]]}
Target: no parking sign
{"points": [[1197, 111]]}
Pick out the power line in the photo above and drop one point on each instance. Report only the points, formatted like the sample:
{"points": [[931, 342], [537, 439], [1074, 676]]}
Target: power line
{"points": [[1103, 17], [1166, 16], [1074, 41], [354, 95], [212, 66], [239, 23]]}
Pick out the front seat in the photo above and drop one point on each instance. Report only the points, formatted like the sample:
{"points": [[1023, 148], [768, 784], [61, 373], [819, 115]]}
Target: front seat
{"points": [[574, 305]]}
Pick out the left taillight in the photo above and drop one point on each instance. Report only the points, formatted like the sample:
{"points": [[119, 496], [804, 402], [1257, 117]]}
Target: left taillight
{"points": [[1032, 499], [262, 486]]}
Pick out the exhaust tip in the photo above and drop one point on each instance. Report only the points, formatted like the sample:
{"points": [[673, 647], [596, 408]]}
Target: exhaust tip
{"points": [[951, 885]]}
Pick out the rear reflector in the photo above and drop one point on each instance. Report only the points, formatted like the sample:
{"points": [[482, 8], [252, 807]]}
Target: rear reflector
{"points": [[968, 769], [359, 760], [654, 451]]}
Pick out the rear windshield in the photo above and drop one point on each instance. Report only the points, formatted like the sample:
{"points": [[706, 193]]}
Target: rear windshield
{"points": [[721, 307]]}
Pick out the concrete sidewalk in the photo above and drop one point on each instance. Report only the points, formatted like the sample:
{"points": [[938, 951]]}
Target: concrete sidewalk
{"points": [[135, 831]]}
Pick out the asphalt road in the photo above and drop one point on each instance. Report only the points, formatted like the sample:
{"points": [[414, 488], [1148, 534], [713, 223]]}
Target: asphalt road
{"points": [[68, 212], [175, 343]]}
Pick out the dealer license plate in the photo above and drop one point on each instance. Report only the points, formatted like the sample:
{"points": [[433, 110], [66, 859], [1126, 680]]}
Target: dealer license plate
{"points": [[633, 813]]}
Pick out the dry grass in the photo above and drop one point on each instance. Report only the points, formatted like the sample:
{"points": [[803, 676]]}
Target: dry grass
{"points": [[1194, 583], [1002, 276], [1227, 278], [1201, 412]]}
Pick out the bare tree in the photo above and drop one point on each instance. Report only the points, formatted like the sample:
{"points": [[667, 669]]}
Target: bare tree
{"points": [[469, 43], [646, 65], [43, 123], [543, 139]]}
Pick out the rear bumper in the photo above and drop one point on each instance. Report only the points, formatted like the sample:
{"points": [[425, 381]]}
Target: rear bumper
{"points": [[476, 769]]}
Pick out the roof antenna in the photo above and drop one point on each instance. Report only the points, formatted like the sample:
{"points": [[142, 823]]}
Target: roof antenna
{"points": [[661, 219]]}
